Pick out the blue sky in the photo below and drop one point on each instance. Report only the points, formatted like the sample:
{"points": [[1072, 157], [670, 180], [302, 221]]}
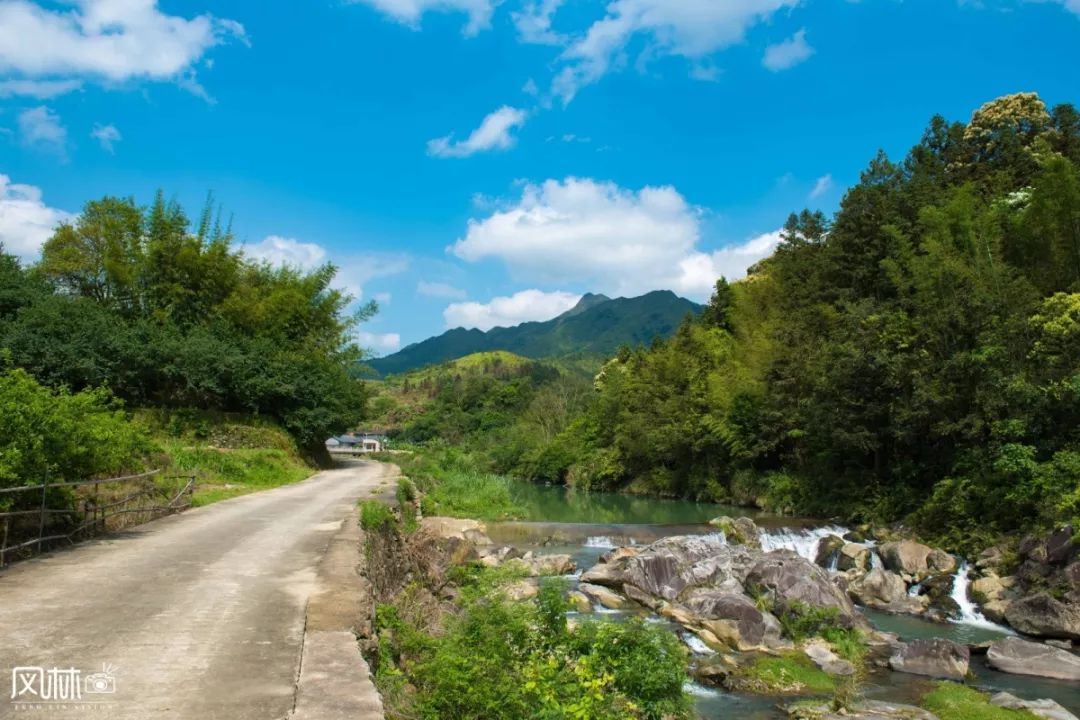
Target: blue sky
{"points": [[476, 162]]}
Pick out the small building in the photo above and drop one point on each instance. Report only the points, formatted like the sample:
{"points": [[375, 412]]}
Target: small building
{"points": [[357, 442]]}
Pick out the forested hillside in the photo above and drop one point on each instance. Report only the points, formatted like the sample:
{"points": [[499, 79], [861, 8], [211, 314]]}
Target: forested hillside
{"points": [[136, 306], [597, 325], [914, 357]]}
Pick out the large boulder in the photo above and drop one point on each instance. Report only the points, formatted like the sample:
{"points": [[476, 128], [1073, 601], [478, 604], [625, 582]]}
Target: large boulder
{"points": [[1022, 657], [884, 590], [789, 580], [822, 655], [738, 530], [936, 657], [1042, 615], [854, 556], [734, 619], [1060, 546], [604, 596], [916, 559], [828, 550], [1047, 709], [544, 565]]}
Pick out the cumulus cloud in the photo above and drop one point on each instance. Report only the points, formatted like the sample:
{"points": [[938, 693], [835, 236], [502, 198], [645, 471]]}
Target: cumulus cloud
{"points": [[524, 306], [495, 133], [41, 128], [26, 222], [614, 240], [107, 136], [39, 89], [278, 250], [533, 22], [789, 53], [823, 185], [409, 12], [692, 29], [112, 40], [440, 290], [379, 343]]}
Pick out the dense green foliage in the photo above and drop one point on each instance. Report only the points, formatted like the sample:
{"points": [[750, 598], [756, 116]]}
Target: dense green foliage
{"points": [[596, 326], [452, 486], [166, 315], [497, 659], [57, 436]]}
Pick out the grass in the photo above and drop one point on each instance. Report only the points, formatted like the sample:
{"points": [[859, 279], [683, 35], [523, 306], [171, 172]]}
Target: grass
{"points": [[468, 494], [226, 473], [787, 674], [375, 515], [950, 701]]}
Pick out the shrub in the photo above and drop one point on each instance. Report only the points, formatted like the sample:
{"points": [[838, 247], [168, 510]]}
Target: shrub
{"points": [[375, 516]]}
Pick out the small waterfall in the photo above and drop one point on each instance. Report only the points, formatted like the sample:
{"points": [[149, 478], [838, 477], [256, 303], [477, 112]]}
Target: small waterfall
{"points": [[802, 541], [969, 611], [696, 644], [914, 590], [834, 562], [875, 561], [600, 541]]}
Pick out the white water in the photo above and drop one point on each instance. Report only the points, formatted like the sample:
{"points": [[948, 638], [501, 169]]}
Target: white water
{"points": [[700, 690], [599, 541], [802, 541], [875, 561], [696, 645], [913, 591], [969, 611]]}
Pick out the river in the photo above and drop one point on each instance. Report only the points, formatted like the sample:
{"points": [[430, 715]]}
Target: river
{"points": [[585, 525]]}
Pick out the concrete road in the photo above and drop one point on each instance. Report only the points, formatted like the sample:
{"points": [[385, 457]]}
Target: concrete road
{"points": [[201, 614]]}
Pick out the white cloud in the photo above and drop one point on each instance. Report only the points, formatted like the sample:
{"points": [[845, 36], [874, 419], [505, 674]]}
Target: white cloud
{"points": [[615, 240], [692, 29], [383, 298], [533, 22], [107, 135], [41, 128], [440, 290], [409, 12], [112, 40], [823, 185], [495, 133], [278, 250], [26, 222], [379, 343], [524, 306], [789, 53], [40, 89]]}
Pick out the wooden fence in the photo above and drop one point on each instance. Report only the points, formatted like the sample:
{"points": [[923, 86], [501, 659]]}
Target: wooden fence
{"points": [[40, 517]]}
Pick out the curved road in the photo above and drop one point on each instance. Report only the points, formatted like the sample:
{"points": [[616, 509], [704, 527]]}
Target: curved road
{"points": [[202, 613]]}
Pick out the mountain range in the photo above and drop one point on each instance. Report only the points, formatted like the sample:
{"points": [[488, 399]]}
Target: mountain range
{"points": [[596, 325]]}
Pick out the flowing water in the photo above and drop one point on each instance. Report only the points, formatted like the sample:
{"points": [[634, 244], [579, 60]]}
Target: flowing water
{"points": [[586, 525]]}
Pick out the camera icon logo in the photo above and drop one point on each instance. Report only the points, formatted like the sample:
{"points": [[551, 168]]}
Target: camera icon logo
{"points": [[101, 683]]}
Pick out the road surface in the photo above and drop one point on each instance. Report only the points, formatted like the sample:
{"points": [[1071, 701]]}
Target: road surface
{"points": [[199, 615]]}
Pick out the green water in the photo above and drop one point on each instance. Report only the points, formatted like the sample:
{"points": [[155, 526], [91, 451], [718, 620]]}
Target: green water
{"points": [[547, 503]]}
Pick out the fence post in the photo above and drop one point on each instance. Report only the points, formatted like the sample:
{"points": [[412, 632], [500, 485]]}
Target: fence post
{"points": [[41, 521], [3, 547]]}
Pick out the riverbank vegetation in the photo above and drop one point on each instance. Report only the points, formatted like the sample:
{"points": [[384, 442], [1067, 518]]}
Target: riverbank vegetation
{"points": [[487, 656], [912, 358]]}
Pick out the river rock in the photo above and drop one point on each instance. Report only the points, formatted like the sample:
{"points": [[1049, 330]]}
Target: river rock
{"points": [[1060, 546], [828, 548], [865, 710], [457, 528], [854, 556], [823, 656], [1042, 615], [543, 565], [787, 579], [738, 530], [495, 556], [521, 590], [579, 601], [604, 596], [1022, 657], [1041, 708], [734, 619], [884, 590], [934, 657], [916, 559]]}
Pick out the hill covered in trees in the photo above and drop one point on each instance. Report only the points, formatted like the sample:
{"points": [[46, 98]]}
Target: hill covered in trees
{"points": [[597, 325], [915, 357]]}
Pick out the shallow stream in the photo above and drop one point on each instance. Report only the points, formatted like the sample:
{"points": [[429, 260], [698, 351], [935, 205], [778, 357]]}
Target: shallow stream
{"points": [[585, 526]]}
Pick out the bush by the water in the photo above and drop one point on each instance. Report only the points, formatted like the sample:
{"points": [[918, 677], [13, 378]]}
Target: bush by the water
{"points": [[498, 660], [453, 487]]}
